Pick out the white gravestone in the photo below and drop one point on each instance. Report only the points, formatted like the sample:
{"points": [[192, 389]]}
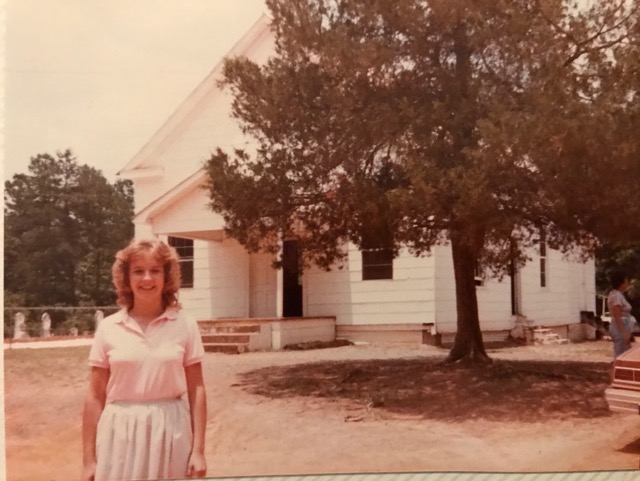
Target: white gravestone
{"points": [[19, 326], [46, 324]]}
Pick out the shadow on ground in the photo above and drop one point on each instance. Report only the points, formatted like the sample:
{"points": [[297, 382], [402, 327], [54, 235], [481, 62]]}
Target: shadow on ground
{"points": [[521, 391], [631, 448]]}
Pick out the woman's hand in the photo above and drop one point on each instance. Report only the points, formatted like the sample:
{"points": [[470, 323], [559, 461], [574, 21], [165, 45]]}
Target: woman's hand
{"points": [[93, 406], [616, 315], [197, 467], [88, 472]]}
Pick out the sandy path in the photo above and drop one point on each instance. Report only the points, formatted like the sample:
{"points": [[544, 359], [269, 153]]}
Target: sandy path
{"points": [[260, 436], [254, 435]]}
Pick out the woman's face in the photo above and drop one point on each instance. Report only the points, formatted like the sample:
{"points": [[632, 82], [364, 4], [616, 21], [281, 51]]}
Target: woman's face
{"points": [[146, 276]]}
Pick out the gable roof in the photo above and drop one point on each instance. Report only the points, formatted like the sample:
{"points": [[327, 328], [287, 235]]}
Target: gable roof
{"points": [[169, 198], [167, 132]]}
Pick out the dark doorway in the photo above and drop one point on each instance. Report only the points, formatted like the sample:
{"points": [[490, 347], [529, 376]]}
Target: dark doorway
{"points": [[516, 288], [291, 280]]}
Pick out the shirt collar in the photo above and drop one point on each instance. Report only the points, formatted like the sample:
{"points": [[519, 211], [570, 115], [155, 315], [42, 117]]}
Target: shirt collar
{"points": [[170, 314]]}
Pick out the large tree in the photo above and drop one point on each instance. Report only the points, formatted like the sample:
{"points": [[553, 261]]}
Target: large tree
{"points": [[63, 224], [421, 122]]}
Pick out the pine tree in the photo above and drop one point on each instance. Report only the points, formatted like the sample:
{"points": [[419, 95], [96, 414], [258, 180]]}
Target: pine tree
{"points": [[63, 225], [475, 123]]}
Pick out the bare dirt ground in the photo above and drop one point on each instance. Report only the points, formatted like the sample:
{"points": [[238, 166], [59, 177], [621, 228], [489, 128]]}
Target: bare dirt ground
{"points": [[353, 409]]}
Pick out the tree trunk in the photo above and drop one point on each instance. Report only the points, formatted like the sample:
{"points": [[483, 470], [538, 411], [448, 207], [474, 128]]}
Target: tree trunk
{"points": [[466, 243], [468, 344]]}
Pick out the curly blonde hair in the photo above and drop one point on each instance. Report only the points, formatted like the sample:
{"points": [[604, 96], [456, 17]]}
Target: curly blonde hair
{"points": [[166, 255]]}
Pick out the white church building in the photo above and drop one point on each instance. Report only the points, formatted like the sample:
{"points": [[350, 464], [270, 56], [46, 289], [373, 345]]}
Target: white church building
{"points": [[410, 300]]}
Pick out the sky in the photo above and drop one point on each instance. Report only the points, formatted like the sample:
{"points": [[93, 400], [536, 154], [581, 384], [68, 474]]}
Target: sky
{"points": [[100, 77]]}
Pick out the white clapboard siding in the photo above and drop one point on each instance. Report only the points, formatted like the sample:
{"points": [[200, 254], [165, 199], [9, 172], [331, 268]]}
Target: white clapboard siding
{"points": [[570, 288], [187, 150], [445, 287], [229, 274], [188, 214], [408, 298], [327, 293], [196, 299], [585, 286], [222, 272], [262, 285], [199, 125], [494, 304]]}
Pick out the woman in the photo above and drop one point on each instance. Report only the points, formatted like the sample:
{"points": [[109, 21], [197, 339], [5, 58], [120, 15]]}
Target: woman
{"points": [[144, 360], [621, 326]]}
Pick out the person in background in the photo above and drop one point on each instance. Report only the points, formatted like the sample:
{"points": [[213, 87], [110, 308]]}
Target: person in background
{"points": [[621, 327], [145, 412]]}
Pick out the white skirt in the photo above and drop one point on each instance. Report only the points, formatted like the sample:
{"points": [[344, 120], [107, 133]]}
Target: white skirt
{"points": [[142, 441]]}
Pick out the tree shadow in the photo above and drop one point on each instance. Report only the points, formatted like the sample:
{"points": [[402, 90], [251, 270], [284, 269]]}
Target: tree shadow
{"points": [[631, 448], [521, 391]]}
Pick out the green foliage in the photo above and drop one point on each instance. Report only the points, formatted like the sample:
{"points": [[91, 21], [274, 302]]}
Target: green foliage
{"points": [[476, 112], [63, 225], [82, 321], [625, 256], [12, 299], [476, 123]]}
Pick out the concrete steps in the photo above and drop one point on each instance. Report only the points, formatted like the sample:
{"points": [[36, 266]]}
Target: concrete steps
{"points": [[227, 337], [543, 337], [226, 347]]}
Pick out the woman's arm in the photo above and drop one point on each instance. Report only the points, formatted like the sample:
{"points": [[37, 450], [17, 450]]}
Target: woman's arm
{"points": [[93, 406], [198, 406]]}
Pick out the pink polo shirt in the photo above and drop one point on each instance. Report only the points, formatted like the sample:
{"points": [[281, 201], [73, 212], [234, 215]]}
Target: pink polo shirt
{"points": [[146, 366]]}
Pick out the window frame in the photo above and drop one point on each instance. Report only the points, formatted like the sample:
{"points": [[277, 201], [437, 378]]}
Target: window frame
{"points": [[377, 264], [185, 249]]}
